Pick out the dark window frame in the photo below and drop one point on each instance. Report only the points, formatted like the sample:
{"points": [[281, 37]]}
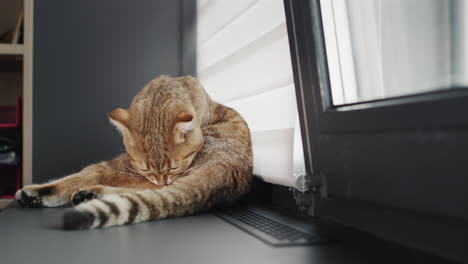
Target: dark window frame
{"points": [[421, 139]]}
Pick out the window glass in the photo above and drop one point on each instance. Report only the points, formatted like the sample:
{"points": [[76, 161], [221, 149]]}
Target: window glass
{"points": [[379, 49]]}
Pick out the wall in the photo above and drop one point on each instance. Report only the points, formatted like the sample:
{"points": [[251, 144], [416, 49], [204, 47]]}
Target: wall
{"points": [[91, 57]]}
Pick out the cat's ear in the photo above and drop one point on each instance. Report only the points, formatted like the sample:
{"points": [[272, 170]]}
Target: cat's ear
{"points": [[183, 125], [119, 118]]}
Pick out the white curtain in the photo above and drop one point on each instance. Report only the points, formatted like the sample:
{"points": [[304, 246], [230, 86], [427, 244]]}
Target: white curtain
{"points": [[394, 47], [460, 42], [243, 61]]}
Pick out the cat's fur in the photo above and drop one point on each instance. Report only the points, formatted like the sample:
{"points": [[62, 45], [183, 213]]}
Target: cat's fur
{"points": [[185, 153]]}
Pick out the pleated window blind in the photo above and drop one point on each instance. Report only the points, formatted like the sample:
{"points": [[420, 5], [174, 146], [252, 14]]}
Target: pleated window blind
{"points": [[243, 61]]}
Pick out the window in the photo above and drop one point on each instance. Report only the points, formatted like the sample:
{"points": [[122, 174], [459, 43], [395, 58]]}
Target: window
{"points": [[385, 155], [380, 49], [244, 62]]}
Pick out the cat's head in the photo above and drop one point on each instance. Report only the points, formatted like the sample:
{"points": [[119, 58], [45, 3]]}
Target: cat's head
{"points": [[161, 132]]}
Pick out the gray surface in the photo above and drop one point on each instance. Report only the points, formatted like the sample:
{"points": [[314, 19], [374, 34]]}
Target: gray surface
{"points": [[91, 57], [34, 236]]}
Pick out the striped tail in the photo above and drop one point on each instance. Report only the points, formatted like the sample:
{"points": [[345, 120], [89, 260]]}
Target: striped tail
{"points": [[120, 209]]}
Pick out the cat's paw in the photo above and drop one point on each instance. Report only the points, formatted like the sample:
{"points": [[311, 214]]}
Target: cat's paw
{"points": [[28, 198], [82, 196]]}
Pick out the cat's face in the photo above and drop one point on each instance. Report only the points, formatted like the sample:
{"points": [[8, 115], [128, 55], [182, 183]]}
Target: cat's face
{"points": [[162, 140]]}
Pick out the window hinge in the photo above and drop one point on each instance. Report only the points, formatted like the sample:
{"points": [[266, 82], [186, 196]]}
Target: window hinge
{"points": [[305, 200], [317, 183]]}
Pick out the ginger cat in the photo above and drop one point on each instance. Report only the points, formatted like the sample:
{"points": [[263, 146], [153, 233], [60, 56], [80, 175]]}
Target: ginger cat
{"points": [[184, 153]]}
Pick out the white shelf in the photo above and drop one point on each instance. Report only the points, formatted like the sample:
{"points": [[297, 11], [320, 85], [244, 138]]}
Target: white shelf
{"points": [[11, 49]]}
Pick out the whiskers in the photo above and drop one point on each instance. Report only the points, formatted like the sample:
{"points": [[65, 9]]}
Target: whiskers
{"points": [[128, 173], [187, 170], [131, 169]]}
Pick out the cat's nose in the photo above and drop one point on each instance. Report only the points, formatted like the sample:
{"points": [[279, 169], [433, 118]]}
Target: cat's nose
{"points": [[153, 180], [161, 178]]}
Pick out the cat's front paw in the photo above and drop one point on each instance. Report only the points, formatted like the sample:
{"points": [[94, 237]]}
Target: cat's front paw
{"points": [[27, 198], [82, 196], [39, 195]]}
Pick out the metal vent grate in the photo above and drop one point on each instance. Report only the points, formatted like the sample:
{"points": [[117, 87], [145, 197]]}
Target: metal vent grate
{"points": [[266, 229]]}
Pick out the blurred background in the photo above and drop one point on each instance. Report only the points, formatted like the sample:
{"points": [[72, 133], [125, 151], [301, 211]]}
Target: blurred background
{"points": [[65, 65]]}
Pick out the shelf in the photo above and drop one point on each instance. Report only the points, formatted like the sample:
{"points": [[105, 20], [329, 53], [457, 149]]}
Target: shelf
{"points": [[16, 62], [7, 125], [11, 49]]}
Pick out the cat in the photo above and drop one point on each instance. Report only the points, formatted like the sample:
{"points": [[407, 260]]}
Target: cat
{"points": [[185, 153]]}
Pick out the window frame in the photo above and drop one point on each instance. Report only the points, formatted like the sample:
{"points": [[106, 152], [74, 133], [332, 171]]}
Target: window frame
{"points": [[439, 106], [436, 119]]}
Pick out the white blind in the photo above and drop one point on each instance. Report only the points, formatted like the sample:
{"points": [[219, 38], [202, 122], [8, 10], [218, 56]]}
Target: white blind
{"points": [[243, 61]]}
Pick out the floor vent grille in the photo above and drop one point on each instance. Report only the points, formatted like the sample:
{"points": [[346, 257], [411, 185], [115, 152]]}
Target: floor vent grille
{"points": [[266, 229]]}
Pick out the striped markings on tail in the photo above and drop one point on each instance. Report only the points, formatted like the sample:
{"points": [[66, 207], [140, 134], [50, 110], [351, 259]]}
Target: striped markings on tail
{"points": [[107, 211], [122, 209]]}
